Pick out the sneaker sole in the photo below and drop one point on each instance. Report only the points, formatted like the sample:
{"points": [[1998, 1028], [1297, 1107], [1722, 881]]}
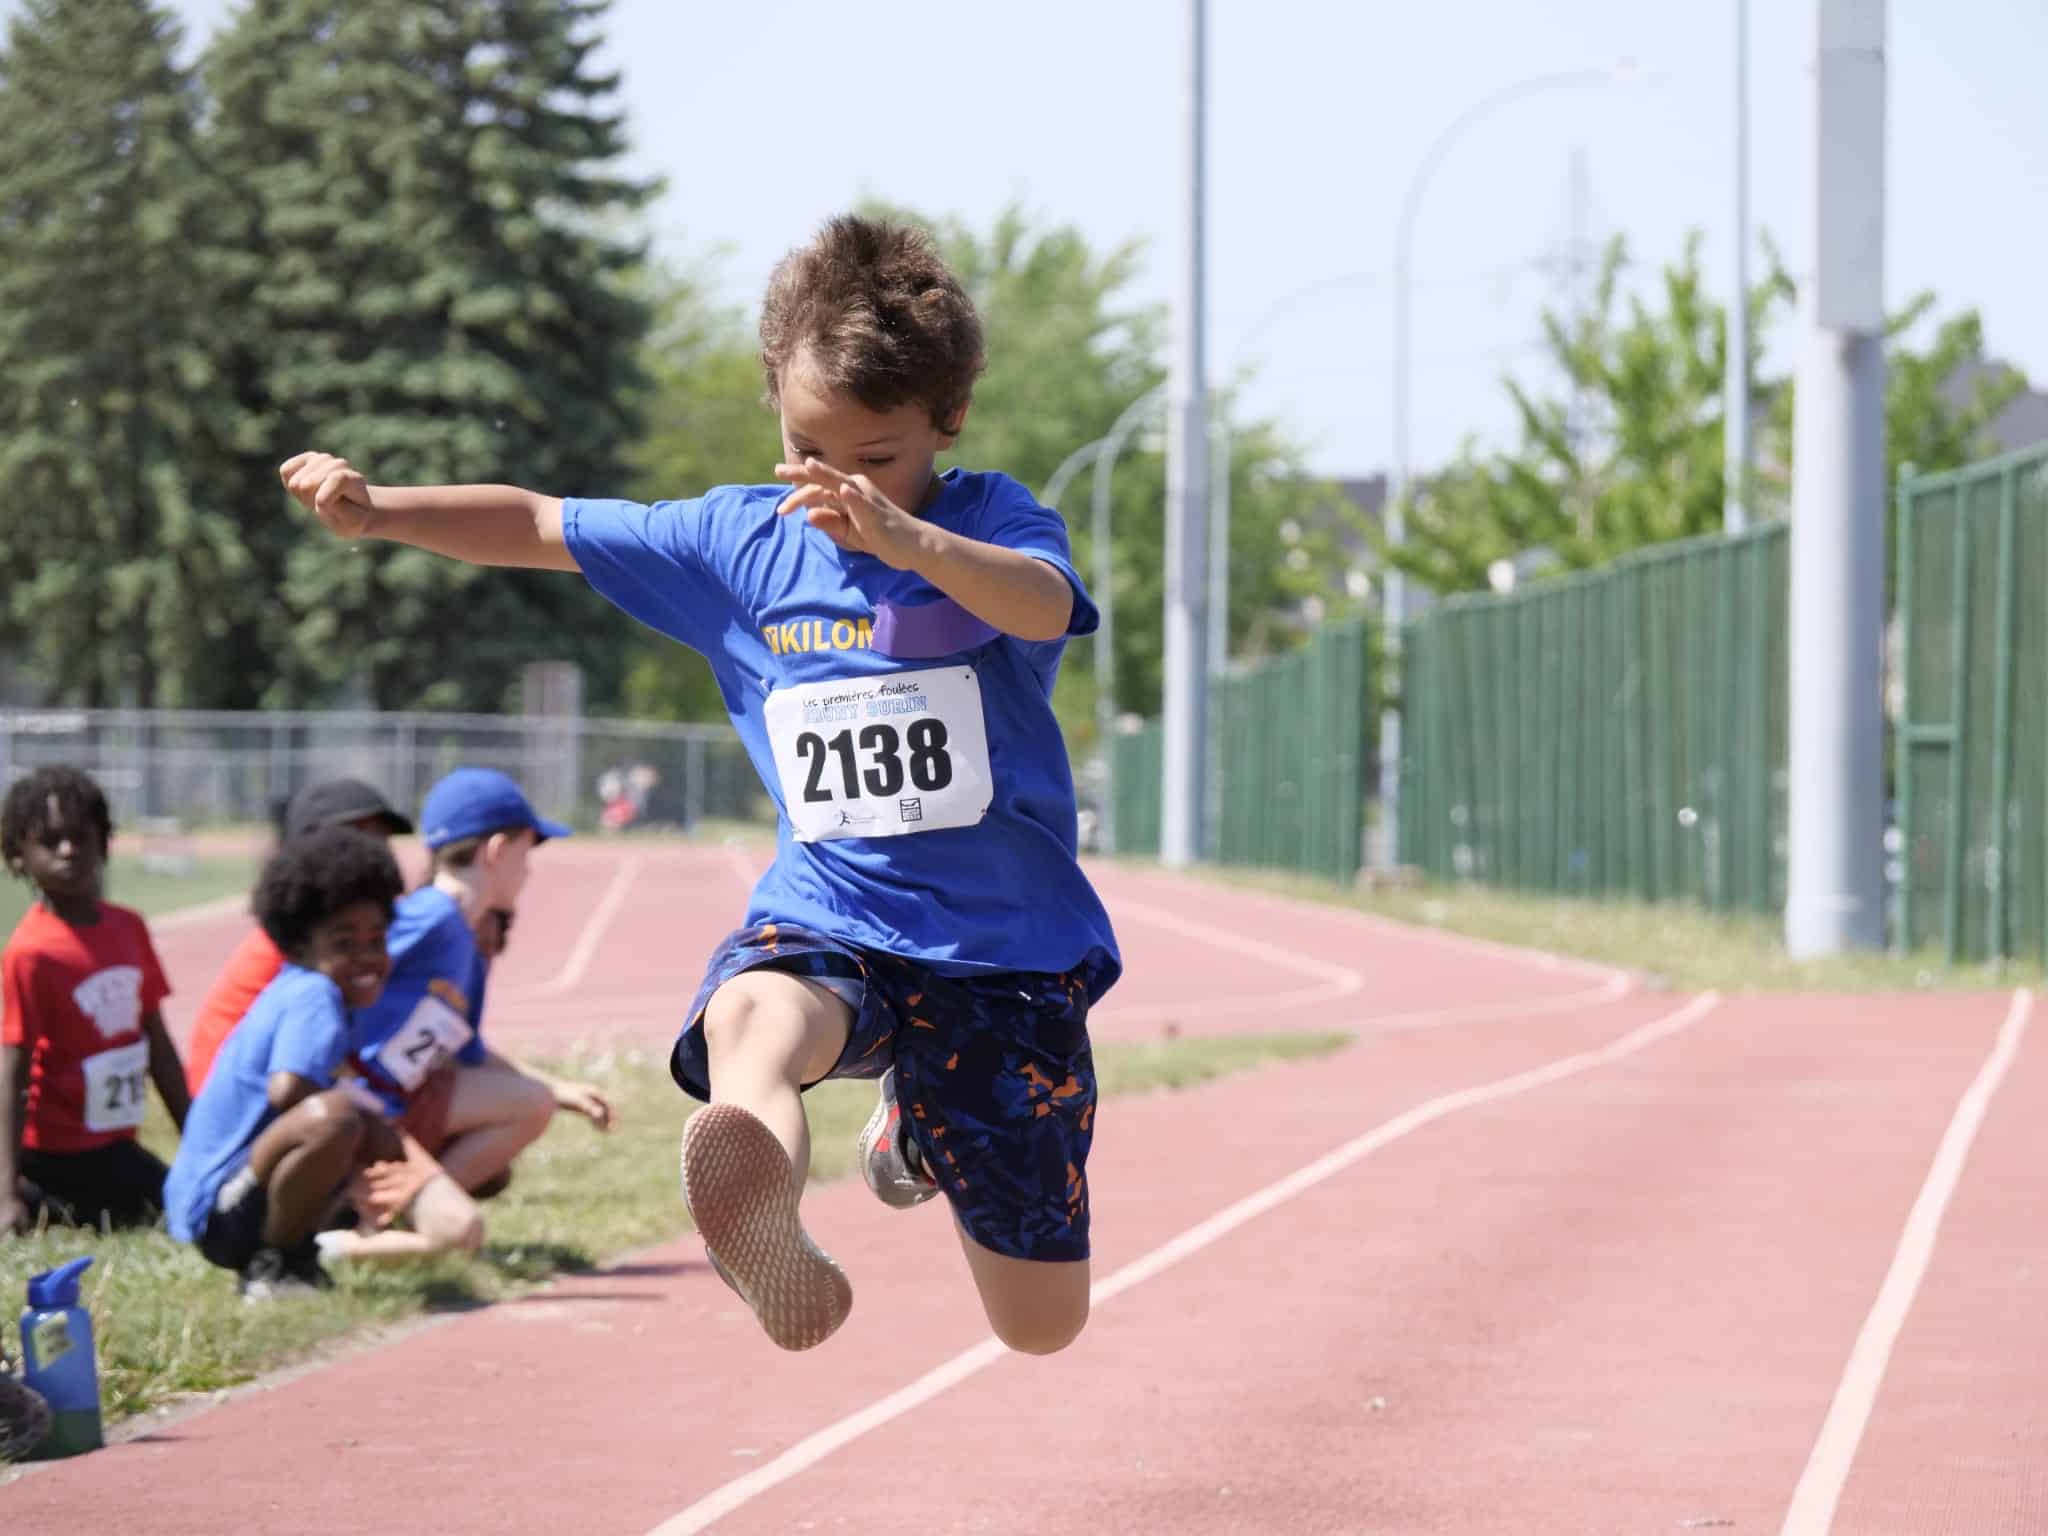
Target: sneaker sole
{"points": [[737, 1184]]}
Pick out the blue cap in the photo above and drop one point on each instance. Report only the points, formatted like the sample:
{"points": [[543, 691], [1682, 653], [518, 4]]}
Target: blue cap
{"points": [[57, 1287], [471, 802]]}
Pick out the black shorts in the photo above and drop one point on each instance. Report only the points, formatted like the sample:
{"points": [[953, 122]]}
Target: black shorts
{"points": [[234, 1227], [118, 1185]]}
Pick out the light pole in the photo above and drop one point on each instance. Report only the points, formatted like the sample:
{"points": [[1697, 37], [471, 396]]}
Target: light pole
{"points": [[1185, 694], [1834, 803], [1735, 430], [1394, 587]]}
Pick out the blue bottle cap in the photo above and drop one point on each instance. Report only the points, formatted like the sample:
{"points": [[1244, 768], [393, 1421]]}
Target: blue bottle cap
{"points": [[57, 1287]]}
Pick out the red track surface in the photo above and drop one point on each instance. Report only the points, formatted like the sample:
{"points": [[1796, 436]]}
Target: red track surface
{"points": [[1588, 1277]]}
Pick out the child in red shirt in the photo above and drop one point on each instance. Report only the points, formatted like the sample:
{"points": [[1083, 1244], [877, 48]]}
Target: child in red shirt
{"points": [[80, 1030]]}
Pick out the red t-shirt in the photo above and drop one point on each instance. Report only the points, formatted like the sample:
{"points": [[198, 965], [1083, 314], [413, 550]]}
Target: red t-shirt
{"points": [[252, 967], [74, 1000]]}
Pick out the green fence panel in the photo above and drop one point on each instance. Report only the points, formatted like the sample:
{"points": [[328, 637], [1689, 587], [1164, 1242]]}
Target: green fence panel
{"points": [[1971, 749], [1615, 732], [1291, 748], [1138, 763]]}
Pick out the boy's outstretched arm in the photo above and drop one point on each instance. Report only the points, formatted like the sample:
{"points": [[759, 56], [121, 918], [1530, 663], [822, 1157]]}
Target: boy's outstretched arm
{"points": [[479, 524]]}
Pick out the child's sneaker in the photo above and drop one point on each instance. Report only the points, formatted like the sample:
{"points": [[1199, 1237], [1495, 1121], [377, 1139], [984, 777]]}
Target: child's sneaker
{"points": [[24, 1418], [271, 1273], [889, 1159], [742, 1194]]}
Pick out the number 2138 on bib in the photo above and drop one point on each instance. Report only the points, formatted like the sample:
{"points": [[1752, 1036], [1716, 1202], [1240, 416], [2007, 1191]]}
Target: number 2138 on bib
{"points": [[881, 756]]}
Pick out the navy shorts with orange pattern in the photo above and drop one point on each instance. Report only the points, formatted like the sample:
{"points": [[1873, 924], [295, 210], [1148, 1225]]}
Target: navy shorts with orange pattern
{"points": [[993, 1071]]}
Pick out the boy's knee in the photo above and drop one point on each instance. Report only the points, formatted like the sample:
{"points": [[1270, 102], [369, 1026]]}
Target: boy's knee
{"points": [[335, 1117], [535, 1104], [1040, 1330], [448, 1219]]}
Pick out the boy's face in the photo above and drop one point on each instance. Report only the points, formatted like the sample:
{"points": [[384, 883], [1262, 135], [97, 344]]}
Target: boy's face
{"points": [[348, 949], [501, 868], [65, 858], [893, 448]]}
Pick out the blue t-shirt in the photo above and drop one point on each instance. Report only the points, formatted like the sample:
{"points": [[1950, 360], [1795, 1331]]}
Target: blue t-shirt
{"points": [[297, 1024], [918, 748], [433, 1004]]}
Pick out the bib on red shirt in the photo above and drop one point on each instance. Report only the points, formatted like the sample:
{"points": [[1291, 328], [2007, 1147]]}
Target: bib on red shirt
{"points": [[73, 999]]}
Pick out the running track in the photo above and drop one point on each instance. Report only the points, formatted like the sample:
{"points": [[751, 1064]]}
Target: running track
{"points": [[1539, 1253]]}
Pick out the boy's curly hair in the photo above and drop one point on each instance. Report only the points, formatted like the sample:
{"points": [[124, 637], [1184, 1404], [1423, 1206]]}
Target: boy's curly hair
{"points": [[313, 877], [879, 314], [78, 798]]}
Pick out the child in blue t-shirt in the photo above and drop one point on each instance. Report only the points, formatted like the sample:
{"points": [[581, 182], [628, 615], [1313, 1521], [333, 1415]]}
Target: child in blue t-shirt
{"points": [[274, 1137], [886, 638]]}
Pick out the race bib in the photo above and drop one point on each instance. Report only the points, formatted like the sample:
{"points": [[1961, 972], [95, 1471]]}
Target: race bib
{"points": [[881, 756], [431, 1035], [114, 1084]]}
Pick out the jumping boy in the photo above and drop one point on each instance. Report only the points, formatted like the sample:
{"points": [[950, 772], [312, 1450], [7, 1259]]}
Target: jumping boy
{"points": [[275, 1136], [886, 639], [80, 1027]]}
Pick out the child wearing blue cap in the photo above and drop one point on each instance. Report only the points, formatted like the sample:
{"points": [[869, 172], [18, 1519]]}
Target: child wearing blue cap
{"points": [[886, 639], [464, 1111]]}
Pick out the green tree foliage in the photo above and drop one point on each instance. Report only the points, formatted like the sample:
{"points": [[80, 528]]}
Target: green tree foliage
{"points": [[1629, 450], [425, 281], [1068, 350], [120, 563]]}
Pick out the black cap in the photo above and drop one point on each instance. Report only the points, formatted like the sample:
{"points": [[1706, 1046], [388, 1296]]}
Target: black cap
{"points": [[336, 803]]}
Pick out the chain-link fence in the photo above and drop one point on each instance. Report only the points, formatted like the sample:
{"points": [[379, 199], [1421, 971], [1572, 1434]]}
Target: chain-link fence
{"points": [[1971, 765], [1619, 732], [202, 768]]}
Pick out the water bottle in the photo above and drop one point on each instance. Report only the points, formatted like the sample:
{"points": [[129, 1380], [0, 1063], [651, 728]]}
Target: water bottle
{"points": [[58, 1361]]}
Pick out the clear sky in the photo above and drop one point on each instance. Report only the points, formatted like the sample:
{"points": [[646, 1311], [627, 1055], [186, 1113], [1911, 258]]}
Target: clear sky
{"points": [[767, 115]]}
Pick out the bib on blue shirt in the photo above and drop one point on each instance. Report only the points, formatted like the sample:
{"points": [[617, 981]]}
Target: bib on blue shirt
{"points": [[926, 799], [433, 1004]]}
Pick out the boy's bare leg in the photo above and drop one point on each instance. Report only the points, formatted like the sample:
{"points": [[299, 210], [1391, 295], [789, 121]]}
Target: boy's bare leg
{"points": [[494, 1114], [301, 1159], [1036, 1306], [766, 1034], [745, 1154], [444, 1220]]}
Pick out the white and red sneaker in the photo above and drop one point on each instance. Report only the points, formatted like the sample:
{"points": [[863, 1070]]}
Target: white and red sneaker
{"points": [[889, 1159]]}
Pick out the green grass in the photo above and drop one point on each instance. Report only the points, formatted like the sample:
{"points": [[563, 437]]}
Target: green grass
{"points": [[150, 891], [169, 1324], [1683, 946]]}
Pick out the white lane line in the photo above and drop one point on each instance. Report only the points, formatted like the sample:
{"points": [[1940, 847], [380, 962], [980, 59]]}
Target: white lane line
{"points": [[1827, 1469], [1541, 959], [815, 1448], [577, 966], [1342, 977]]}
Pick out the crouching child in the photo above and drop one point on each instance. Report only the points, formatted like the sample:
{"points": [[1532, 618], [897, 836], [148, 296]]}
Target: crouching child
{"points": [[276, 1136]]}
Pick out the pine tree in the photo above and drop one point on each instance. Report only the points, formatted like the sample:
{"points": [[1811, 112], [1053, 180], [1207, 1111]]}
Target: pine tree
{"points": [[120, 557], [431, 285]]}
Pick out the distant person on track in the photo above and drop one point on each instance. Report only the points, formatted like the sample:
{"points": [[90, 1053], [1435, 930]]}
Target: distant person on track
{"points": [[276, 1135], [256, 960], [81, 1034], [464, 1110], [886, 638]]}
